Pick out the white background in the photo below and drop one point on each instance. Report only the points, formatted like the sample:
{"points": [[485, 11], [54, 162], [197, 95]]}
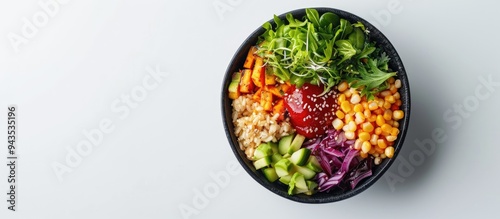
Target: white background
{"points": [[66, 77]]}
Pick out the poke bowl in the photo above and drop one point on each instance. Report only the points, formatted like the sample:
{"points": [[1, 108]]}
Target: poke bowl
{"points": [[315, 105]]}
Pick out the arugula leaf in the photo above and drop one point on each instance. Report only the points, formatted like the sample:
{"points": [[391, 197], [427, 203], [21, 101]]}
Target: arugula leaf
{"points": [[346, 50], [372, 79], [313, 16]]}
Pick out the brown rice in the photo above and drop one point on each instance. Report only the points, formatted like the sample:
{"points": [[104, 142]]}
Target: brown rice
{"points": [[253, 125]]}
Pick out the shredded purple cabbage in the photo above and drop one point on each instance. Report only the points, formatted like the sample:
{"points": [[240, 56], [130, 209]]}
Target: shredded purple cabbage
{"points": [[338, 160]]}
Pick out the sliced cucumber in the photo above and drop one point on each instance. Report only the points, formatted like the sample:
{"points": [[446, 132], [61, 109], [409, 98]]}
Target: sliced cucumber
{"points": [[276, 158], [286, 179], [311, 185], [299, 191], [263, 150], [300, 181], [274, 147], [262, 162], [287, 162], [301, 156], [283, 167], [297, 182], [308, 173], [296, 143], [270, 174], [313, 164], [284, 144]]}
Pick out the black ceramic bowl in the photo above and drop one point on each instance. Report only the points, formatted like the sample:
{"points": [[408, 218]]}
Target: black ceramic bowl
{"points": [[280, 189]]}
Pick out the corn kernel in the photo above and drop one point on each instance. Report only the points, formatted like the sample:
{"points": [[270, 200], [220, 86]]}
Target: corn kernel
{"points": [[351, 126], [386, 128], [381, 143], [364, 136], [366, 147], [350, 135], [395, 132], [349, 117], [390, 99], [372, 105], [389, 152], [397, 84], [379, 111], [380, 120], [390, 138], [340, 114], [395, 124], [377, 160], [373, 139], [363, 155], [358, 108], [367, 113], [355, 98], [383, 156], [346, 106], [387, 115], [378, 131], [342, 86], [360, 118], [358, 131], [391, 80], [357, 144], [393, 89], [385, 93], [397, 114], [386, 105], [398, 102], [372, 118], [367, 127], [342, 98], [348, 93], [364, 104], [379, 150], [338, 124], [380, 102], [397, 96]]}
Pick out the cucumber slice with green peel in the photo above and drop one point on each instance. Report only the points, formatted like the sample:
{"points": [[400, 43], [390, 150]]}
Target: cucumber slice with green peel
{"points": [[262, 162], [276, 158], [283, 167], [284, 144], [299, 191], [300, 181], [270, 174], [308, 173], [296, 143], [297, 182], [313, 164], [311, 185], [301, 156], [263, 150], [286, 179], [274, 147]]}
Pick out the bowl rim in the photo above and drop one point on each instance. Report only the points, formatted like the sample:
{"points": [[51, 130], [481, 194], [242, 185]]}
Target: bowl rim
{"points": [[380, 38]]}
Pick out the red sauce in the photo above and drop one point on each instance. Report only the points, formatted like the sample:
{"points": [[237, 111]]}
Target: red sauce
{"points": [[310, 114]]}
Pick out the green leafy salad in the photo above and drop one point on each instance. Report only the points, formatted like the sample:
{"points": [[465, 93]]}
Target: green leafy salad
{"points": [[324, 50]]}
